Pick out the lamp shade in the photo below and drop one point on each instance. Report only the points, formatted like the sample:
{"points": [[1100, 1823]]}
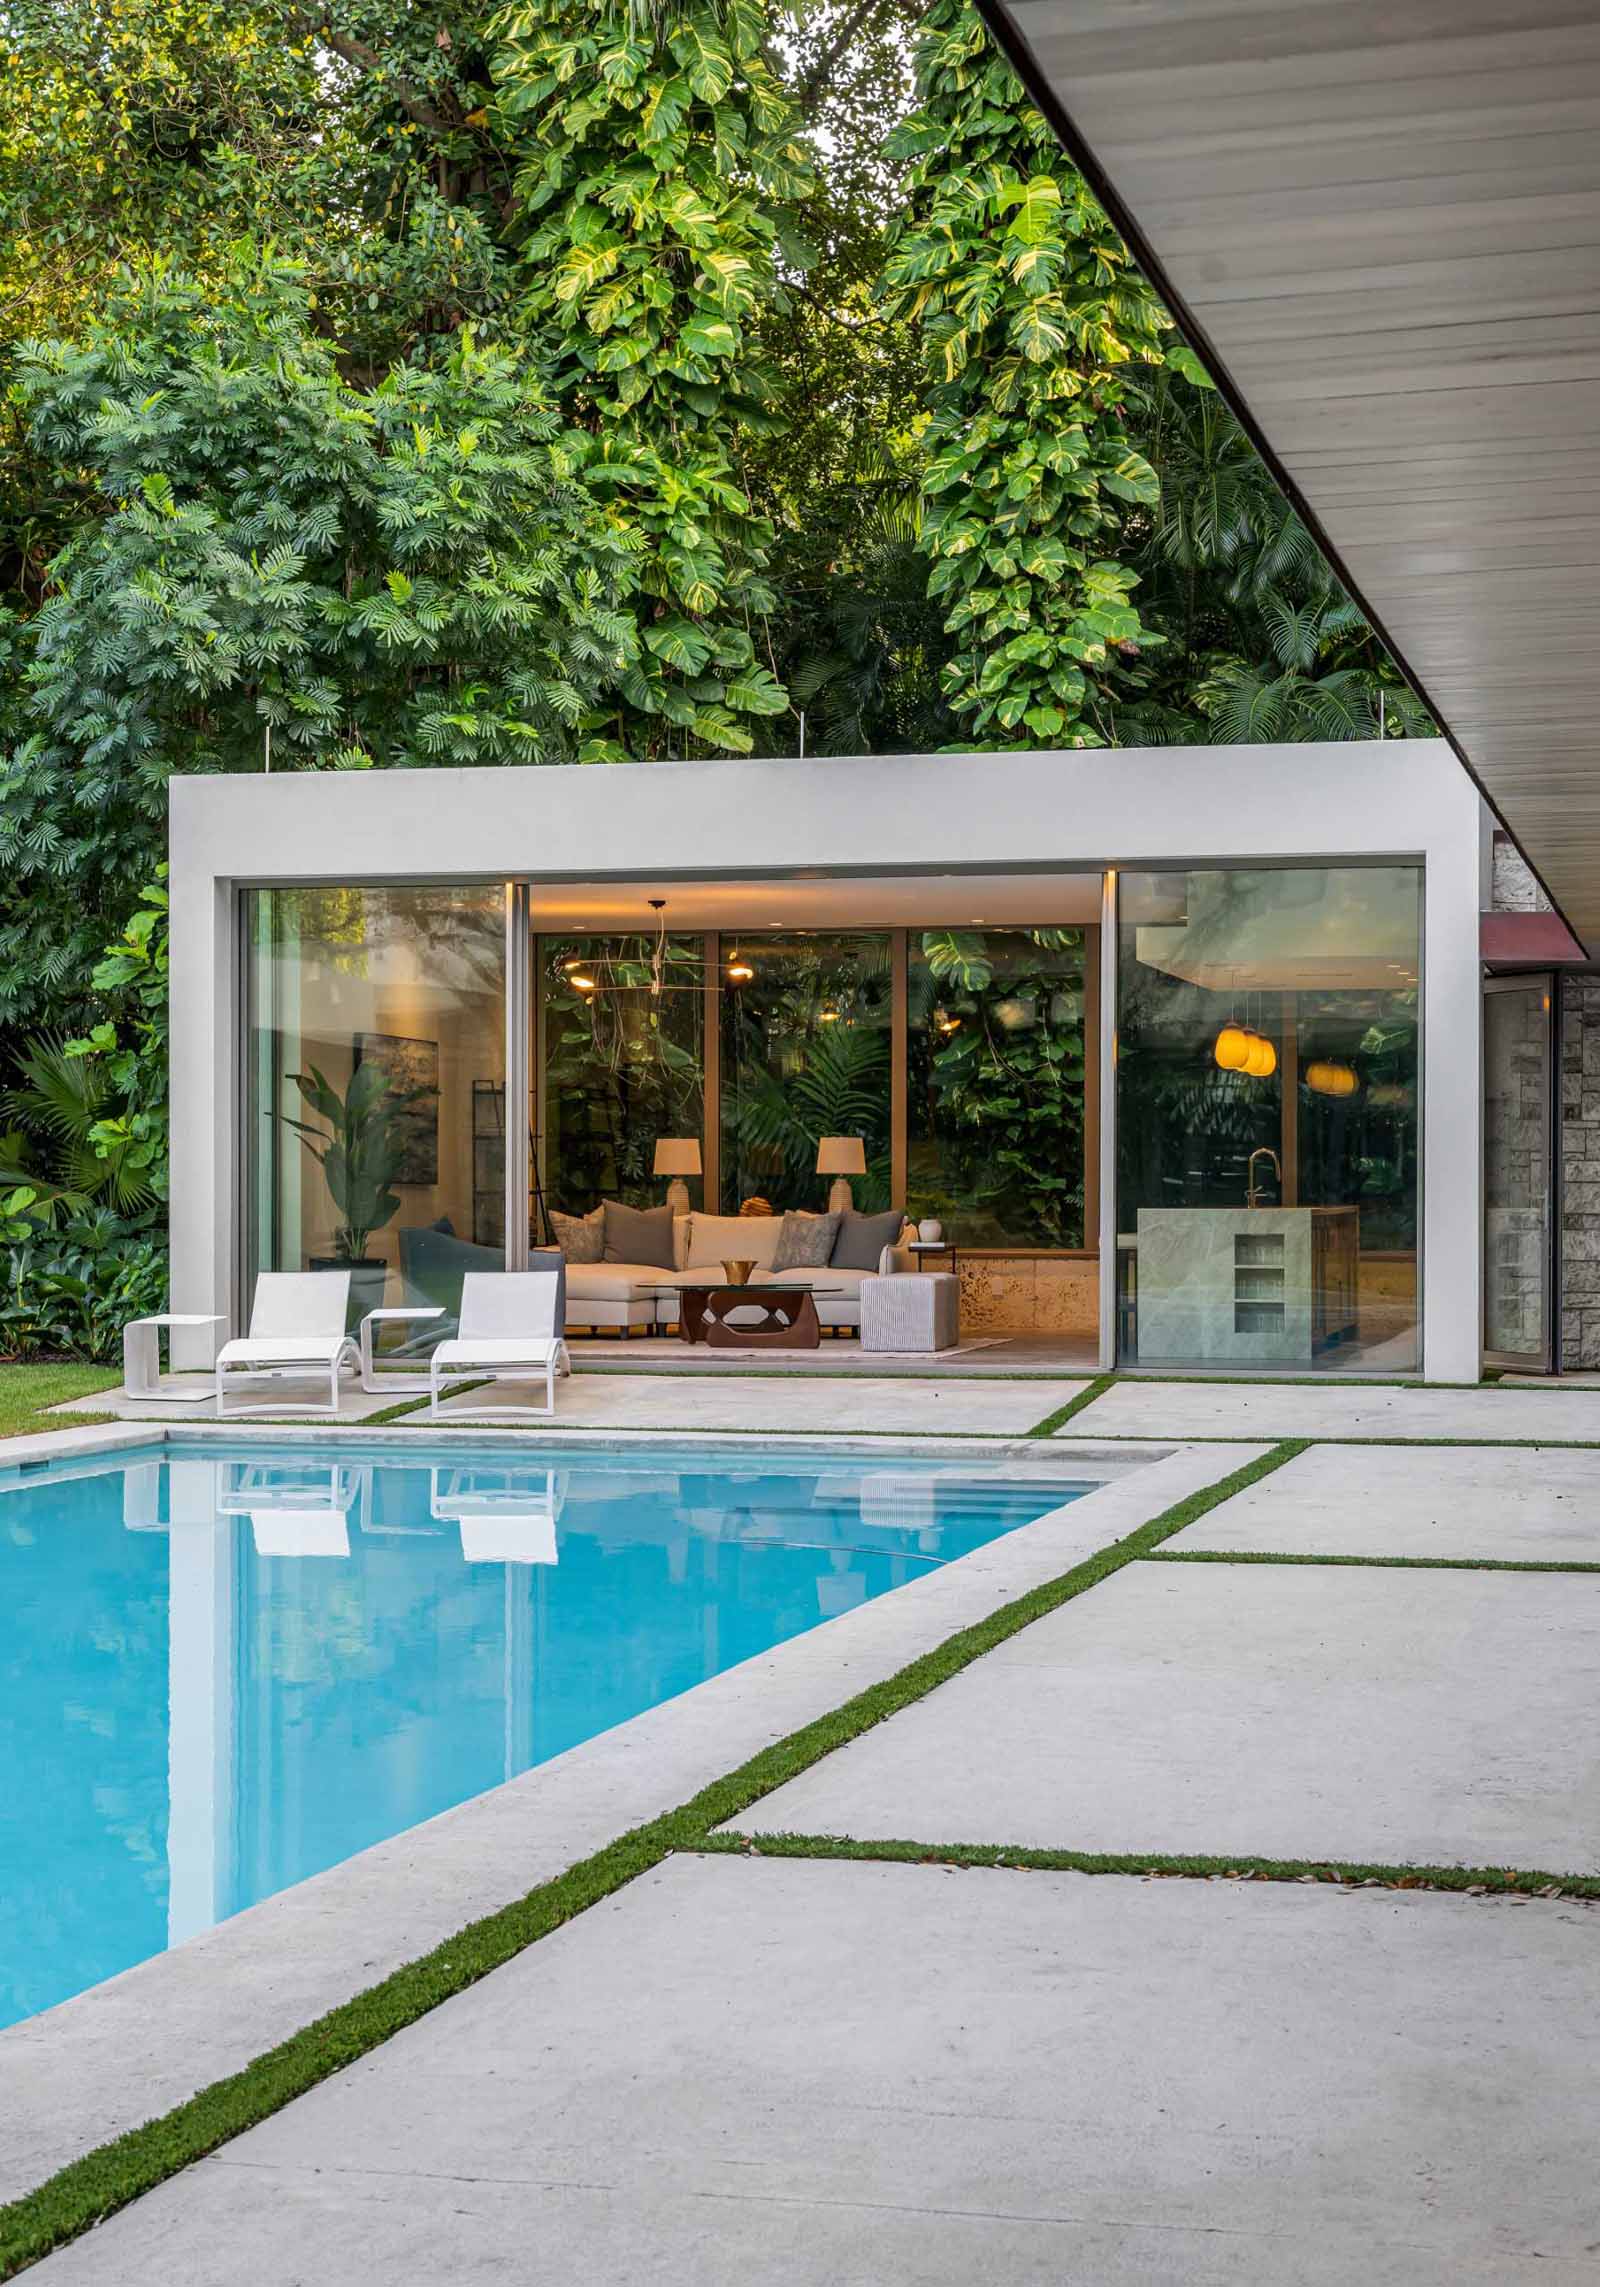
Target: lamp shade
{"points": [[841, 1155], [677, 1155]]}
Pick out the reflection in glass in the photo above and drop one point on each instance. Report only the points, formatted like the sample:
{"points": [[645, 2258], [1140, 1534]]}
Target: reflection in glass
{"points": [[995, 1084], [806, 1022], [622, 1033], [376, 1114], [227, 1671], [1267, 1099]]}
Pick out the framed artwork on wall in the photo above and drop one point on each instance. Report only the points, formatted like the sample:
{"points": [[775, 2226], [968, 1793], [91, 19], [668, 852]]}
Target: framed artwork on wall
{"points": [[412, 1070]]}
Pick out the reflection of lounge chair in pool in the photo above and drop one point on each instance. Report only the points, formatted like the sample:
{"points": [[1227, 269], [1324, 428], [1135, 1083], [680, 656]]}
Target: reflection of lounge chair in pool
{"points": [[297, 1329], [506, 1516], [510, 1332], [292, 1518]]}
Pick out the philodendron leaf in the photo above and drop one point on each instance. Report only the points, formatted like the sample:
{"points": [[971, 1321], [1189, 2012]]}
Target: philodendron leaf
{"points": [[1181, 359], [709, 337]]}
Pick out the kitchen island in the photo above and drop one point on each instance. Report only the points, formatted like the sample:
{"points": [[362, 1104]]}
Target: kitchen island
{"points": [[1246, 1286]]}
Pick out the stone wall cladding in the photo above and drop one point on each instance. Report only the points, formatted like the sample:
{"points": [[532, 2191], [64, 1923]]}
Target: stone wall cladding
{"points": [[1514, 889], [1580, 1171]]}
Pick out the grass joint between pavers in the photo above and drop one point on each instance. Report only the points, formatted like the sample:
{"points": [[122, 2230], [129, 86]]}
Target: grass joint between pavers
{"points": [[1473, 1881], [95, 2186]]}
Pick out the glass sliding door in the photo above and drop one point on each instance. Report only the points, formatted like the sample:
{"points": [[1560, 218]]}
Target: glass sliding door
{"points": [[376, 1085], [1268, 1076], [1518, 1170], [621, 1028], [995, 1084], [807, 1023]]}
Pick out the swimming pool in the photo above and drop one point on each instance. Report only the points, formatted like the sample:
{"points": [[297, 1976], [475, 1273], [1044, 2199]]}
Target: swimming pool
{"points": [[226, 1667]]}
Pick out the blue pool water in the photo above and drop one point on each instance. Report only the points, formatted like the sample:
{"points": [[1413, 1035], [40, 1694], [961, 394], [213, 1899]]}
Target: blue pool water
{"points": [[224, 1668]]}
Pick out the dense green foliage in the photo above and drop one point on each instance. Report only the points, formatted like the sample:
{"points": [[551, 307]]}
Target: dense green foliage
{"points": [[405, 572], [560, 380], [995, 1037], [1032, 315], [661, 158]]}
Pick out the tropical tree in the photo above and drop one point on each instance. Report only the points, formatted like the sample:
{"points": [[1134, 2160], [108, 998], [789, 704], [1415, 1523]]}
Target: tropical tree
{"points": [[286, 568], [660, 165], [1034, 319], [1262, 643]]}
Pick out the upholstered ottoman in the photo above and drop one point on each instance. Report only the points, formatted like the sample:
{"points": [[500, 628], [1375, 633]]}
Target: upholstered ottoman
{"points": [[911, 1310]]}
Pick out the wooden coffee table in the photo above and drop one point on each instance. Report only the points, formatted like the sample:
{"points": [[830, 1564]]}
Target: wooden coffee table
{"points": [[789, 1316]]}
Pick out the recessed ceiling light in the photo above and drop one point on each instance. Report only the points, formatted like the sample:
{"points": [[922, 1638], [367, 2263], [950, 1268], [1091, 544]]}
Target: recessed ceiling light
{"points": [[977, 921]]}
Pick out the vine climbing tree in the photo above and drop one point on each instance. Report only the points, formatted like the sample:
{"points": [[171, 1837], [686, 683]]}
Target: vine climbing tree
{"points": [[1036, 328], [661, 171]]}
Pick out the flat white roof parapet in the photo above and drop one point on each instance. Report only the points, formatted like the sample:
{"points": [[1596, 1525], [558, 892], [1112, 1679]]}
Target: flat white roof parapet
{"points": [[941, 812]]}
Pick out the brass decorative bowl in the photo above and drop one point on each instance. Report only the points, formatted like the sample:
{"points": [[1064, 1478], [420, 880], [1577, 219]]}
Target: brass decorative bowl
{"points": [[738, 1274]]}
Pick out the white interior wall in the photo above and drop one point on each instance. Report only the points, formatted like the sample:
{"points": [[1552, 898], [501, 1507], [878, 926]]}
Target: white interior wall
{"points": [[940, 816]]}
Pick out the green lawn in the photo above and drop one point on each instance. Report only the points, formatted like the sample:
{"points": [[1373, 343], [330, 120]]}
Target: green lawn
{"points": [[26, 1390]]}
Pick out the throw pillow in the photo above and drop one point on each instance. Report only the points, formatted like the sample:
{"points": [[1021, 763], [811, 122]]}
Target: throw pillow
{"points": [[716, 1239], [862, 1239], [806, 1241], [580, 1237], [641, 1235]]}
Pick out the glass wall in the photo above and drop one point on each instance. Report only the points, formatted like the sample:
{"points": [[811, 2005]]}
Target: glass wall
{"points": [[376, 1088], [806, 1053], [1268, 1062], [995, 1084], [621, 1024]]}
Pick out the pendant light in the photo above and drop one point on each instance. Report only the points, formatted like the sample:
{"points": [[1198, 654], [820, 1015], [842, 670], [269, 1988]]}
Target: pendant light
{"points": [[1231, 1048], [1262, 1060], [1241, 1048], [1329, 1079]]}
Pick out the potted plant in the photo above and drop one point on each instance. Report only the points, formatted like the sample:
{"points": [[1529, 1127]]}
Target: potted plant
{"points": [[360, 1154]]}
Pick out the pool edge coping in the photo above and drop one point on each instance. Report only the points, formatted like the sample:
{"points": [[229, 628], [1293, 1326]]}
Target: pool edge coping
{"points": [[104, 2061]]}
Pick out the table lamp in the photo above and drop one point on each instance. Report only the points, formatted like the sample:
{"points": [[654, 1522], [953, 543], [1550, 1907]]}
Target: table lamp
{"points": [[678, 1156], [841, 1157]]}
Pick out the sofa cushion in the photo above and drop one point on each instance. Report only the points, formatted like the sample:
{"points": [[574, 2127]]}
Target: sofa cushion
{"points": [[806, 1241], [581, 1238], [638, 1235], [718, 1239], [613, 1282], [862, 1239]]}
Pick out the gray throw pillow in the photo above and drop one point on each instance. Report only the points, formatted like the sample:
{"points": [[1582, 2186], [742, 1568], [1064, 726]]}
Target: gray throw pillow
{"points": [[581, 1238], [862, 1239], [641, 1235], [806, 1241]]}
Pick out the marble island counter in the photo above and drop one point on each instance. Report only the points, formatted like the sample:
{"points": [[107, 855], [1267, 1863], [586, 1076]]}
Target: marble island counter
{"points": [[1250, 1286]]}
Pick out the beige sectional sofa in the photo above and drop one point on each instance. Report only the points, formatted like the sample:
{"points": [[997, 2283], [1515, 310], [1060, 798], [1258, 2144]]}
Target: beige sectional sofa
{"points": [[617, 1296]]}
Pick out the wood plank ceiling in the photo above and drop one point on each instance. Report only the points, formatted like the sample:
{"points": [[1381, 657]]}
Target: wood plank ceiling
{"points": [[1379, 222]]}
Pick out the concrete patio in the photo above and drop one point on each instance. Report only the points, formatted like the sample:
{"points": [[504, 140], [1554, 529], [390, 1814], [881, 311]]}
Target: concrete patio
{"points": [[802, 2069]]}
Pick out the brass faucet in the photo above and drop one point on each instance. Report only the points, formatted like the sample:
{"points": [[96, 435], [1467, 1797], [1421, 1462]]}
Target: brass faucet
{"points": [[1252, 1198]]}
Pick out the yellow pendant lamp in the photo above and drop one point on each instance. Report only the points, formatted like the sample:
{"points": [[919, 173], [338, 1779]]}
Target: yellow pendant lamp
{"points": [[1262, 1060], [1232, 1047], [1328, 1079]]}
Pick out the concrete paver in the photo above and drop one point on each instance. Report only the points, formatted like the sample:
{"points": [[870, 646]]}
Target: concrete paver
{"points": [[99, 2064], [1296, 1409], [745, 2070], [1287, 1711], [831, 1403], [1446, 1501]]}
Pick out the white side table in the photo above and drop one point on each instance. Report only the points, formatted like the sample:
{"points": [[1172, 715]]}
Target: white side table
{"points": [[374, 1383], [141, 1358]]}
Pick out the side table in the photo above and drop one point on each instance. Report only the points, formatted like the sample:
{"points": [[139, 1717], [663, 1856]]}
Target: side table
{"points": [[141, 1357], [374, 1383], [927, 1251]]}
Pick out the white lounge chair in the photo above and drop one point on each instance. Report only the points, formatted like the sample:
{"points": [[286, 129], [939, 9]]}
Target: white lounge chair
{"points": [[297, 1328], [508, 1333], [506, 1516]]}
